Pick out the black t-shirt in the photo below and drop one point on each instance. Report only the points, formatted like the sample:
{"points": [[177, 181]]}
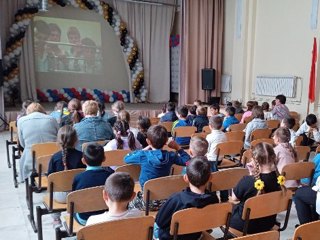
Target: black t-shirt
{"points": [[142, 138], [244, 190]]}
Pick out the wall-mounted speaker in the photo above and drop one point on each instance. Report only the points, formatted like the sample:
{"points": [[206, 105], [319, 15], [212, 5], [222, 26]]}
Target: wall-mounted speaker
{"points": [[208, 76]]}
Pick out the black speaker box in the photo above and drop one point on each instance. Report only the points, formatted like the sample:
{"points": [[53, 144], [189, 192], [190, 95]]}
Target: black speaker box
{"points": [[214, 100], [208, 76]]}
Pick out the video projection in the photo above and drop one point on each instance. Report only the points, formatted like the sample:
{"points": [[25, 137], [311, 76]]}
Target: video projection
{"points": [[65, 45]]}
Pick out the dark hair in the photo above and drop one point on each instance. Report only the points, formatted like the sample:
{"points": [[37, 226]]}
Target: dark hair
{"points": [[273, 102], [67, 138], [93, 154], [236, 104], [289, 122], [199, 146], [202, 111], [215, 106], [250, 105], [257, 112], [229, 104], [124, 115], [198, 171], [171, 106], [231, 111], [193, 110], [102, 107], [74, 107], [158, 136], [119, 187], [144, 124], [311, 119], [164, 108], [198, 101], [265, 106], [255, 103], [216, 122], [24, 107], [282, 98], [122, 129], [183, 111]]}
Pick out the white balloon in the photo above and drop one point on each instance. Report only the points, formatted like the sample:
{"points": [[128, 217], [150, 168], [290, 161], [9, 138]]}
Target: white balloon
{"points": [[111, 99], [116, 29], [6, 58], [20, 23], [50, 99], [26, 22], [143, 99], [11, 55], [5, 84], [15, 26], [140, 69], [118, 33]]}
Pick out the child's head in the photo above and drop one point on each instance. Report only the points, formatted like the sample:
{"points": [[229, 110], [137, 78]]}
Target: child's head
{"points": [[119, 187], [157, 136], [197, 103], [122, 129], [311, 120], [236, 104], [164, 108], [60, 106], [123, 115], [93, 155], [230, 111], [215, 122], [198, 146], [102, 107], [35, 107], [229, 104], [265, 106], [288, 122], [117, 107], [202, 111], [214, 109], [273, 103], [281, 99], [182, 112], [257, 112], [198, 172], [171, 107], [143, 123], [263, 154], [74, 105], [250, 105], [193, 110], [281, 135], [25, 104], [90, 108]]}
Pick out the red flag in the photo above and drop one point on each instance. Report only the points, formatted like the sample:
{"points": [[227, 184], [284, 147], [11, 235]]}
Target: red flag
{"points": [[312, 82]]}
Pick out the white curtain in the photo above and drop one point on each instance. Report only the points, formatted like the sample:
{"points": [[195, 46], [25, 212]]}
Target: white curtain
{"points": [[150, 26]]}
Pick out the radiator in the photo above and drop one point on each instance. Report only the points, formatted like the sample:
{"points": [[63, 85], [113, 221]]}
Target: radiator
{"points": [[275, 85]]}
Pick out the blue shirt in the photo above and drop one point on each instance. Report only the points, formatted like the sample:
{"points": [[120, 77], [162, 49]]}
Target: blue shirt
{"points": [[181, 140], [200, 121], [229, 121], [169, 117]]}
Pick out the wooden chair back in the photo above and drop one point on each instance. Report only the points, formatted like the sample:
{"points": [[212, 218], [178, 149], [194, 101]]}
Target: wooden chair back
{"points": [[102, 143], [248, 119], [298, 141], [260, 140], [193, 220], [237, 127], [62, 181], [154, 120], [238, 116], [270, 235], [235, 136], [294, 115], [115, 157], [167, 125], [299, 170], [273, 123], [206, 129], [43, 149], [13, 130], [176, 169], [186, 131], [132, 169], [303, 153], [226, 179], [260, 133], [200, 134], [229, 148], [43, 163], [246, 157], [139, 228], [308, 231]]}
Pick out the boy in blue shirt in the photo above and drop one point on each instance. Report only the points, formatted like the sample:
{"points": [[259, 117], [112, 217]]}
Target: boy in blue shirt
{"points": [[170, 115], [95, 175], [230, 119], [182, 113], [201, 120]]}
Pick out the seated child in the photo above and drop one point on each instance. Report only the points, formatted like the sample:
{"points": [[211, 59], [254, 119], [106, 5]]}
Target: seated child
{"points": [[60, 112], [116, 108], [124, 115], [182, 113], [170, 115], [280, 110], [230, 119], [258, 122], [201, 119], [196, 195], [118, 192], [197, 102], [102, 111], [154, 161], [238, 106], [248, 113], [285, 152], [143, 126], [95, 175], [23, 111], [215, 110], [309, 130], [267, 113], [76, 114], [163, 111], [192, 114], [263, 168], [289, 123]]}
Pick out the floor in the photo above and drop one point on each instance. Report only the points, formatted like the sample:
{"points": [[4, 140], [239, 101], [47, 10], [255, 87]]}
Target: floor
{"points": [[13, 209]]}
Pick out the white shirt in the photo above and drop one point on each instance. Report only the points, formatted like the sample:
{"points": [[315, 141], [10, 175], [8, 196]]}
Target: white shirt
{"points": [[293, 137], [106, 216], [214, 138], [304, 128]]}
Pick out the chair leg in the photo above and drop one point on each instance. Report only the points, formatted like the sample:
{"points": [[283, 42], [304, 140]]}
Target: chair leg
{"points": [[8, 154], [61, 234], [31, 215], [40, 212], [27, 192], [14, 167]]}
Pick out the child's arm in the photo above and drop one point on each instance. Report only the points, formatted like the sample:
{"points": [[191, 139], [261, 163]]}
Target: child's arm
{"points": [[134, 157]]}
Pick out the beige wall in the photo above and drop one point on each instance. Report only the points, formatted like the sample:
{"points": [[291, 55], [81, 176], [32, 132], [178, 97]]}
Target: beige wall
{"points": [[276, 40]]}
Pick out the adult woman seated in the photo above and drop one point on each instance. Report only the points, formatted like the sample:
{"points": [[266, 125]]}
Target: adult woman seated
{"points": [[35, 127], [92, 127]]}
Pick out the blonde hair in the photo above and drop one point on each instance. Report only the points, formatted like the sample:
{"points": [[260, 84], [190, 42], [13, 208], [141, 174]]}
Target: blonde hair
{"points": [[117, 106], [35, 107], [123, 116], [90, 107]]}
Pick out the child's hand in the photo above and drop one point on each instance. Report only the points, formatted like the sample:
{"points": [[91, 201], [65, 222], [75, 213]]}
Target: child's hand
{"points": [[172, 144], [147, 148]]}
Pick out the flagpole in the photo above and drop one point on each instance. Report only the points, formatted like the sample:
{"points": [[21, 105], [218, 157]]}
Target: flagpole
{"points": [[308, 107]]}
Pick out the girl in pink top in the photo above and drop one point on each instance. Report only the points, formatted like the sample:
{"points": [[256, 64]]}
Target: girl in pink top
{"points": [[248, 113], [285, 152]]}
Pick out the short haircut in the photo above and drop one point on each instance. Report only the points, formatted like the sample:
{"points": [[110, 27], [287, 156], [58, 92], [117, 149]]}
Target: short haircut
{"points": [[93, 154], [311, 119], [193, 110], [198, 101], [119, 186], [144, 123], [273, 102], [215, 106], [199, 146], [171, 106], [202, 111], [257, 112], [250, 105], [289, 122], [231, 111], [282, 98], [158, 136], [265, 106], [35, 107], [236, 104], [90, 107], [229, 104], [183, 111], [216, 122], [198, 171]]}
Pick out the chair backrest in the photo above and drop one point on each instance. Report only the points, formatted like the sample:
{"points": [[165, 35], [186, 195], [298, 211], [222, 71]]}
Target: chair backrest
{"points": [[260, 133], [235, 136], [303, 153], [43, 149], [238, 116], [206, 129], [299, 170], [298, 141], [176, 169], [270, 235], [185, 131], [167, 125], [237, 127], [294, 115], [200, 134], [13, 129], [273, 123], [260, 140], [139, 228], [154, 120], [115, 157], [193, 220], [102, 143], [308, 231], [62, 181], [226, 179], [229, 148], [132, 169], [246, 157], [43, 163], [248, 119]]}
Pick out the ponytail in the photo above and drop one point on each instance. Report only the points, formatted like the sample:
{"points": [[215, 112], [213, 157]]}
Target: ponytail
{"points": [[131, 141], [64, 157], [119, 141]]}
